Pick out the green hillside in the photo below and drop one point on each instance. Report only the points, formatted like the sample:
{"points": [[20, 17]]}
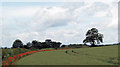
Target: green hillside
{"points": [[106, 55]]}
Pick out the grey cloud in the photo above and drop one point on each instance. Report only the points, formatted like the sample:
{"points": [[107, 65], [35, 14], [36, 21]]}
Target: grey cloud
{"points": [[47, 20]]}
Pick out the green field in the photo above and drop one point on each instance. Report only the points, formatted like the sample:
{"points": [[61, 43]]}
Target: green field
{"points": [[106, 55]]}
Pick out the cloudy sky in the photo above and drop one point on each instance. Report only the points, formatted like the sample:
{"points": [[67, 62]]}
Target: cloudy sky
{"points": [[66, 22]]}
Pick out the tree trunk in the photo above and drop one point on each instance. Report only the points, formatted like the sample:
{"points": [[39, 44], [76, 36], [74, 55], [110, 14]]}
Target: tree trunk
{"points": [[93, 43]]}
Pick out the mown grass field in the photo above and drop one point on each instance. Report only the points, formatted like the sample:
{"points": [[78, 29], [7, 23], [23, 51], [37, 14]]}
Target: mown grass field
{"points": [[106, 55]]}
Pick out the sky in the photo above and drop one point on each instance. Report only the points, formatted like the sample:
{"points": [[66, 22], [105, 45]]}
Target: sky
{"points": [[65, 22]]}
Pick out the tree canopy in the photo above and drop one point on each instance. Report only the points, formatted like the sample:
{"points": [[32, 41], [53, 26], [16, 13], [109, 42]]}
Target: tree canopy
{"points": [[93, 37], [17, 44]]}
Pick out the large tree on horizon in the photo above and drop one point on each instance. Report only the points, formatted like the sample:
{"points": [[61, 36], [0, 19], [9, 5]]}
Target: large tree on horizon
{"points": [[93, 37]]}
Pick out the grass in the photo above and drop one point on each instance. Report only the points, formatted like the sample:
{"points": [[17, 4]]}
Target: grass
{"points": [[107, 55]]}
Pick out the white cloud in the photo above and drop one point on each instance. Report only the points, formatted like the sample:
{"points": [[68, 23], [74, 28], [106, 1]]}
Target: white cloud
{"points": [[15, 12], [100, 14], [65, 36], [113, 24], [65, 24], [44, 18], [114, 12], [51, 17]]}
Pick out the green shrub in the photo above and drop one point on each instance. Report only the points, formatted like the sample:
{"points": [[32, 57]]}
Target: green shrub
{"points": [[14, 51]]}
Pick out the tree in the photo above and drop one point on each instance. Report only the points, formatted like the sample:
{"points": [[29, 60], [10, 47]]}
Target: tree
{"points": [[92, 36], [43, 44], [26, 47], [29, 45], [36, 44], [17, 44], [63, 46], [56, 45], [48, 43]]}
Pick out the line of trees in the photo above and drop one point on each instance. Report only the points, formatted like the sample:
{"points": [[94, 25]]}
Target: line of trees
{"points": [[92, 36], [36, 44]]}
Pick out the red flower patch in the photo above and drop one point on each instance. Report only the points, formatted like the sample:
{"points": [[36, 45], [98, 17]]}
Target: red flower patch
{"points": [[10, 60]]}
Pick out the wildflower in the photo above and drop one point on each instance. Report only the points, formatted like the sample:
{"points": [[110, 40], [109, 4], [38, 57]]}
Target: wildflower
{"points": [[10, 59], [5, 65], [3, 62], [14, 57]]}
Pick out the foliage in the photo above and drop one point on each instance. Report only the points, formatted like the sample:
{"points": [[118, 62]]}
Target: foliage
{"points": [[93, 37], [13, 51], [17, 44], [41, 45]]}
